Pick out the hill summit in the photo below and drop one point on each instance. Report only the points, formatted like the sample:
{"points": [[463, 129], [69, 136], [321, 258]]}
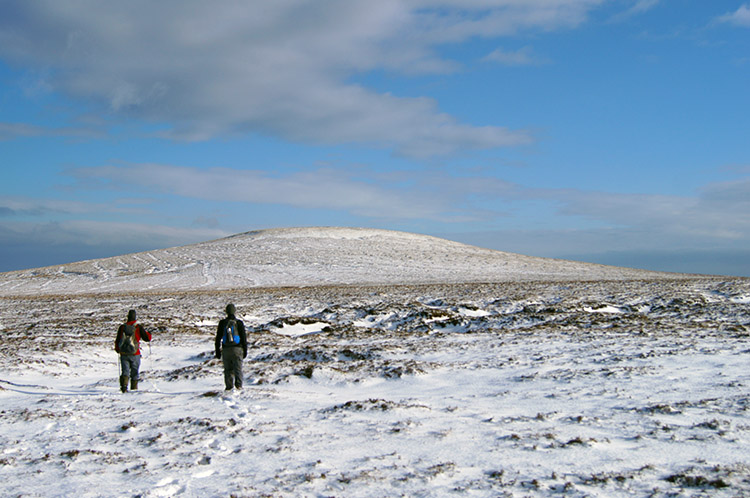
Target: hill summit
{"points": [[289, 257]]}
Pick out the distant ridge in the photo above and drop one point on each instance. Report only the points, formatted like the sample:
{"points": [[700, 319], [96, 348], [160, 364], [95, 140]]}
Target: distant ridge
{"points": [[289, 257]]}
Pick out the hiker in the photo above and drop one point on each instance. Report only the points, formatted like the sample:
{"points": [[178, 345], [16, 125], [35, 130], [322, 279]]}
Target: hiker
{"points": [[127, 345], [231, 347]]}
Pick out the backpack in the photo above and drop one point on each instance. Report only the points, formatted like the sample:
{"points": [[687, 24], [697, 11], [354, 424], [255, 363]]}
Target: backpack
{"points": [[127, 343], [230, 336]]}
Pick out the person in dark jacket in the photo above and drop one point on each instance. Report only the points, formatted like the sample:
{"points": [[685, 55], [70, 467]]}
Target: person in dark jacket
{"points": [[127, 345], [231, 347]]}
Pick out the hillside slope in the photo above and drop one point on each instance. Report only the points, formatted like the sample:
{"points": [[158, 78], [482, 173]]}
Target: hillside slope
{"points": [[304, 257]]}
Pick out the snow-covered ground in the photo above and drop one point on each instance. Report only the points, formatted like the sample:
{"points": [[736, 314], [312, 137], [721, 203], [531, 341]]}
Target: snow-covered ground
{"points": [[381, 364], [609, 389]]}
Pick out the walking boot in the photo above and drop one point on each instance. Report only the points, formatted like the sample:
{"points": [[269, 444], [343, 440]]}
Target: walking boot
{"points": [[123, 383], [133, 384]]}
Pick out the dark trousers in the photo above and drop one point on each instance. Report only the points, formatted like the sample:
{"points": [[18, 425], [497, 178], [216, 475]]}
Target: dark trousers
{"points": [[130, 364], [232, 358]]}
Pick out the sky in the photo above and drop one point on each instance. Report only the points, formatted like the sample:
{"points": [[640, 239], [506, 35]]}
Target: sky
{"points": [[607, 131]]}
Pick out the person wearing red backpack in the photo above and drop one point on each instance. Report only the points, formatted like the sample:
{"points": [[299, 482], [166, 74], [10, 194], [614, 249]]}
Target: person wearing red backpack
{"points": [[127, 345], [231, 347]]}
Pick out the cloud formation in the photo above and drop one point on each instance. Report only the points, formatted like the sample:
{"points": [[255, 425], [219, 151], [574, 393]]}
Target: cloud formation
{"points": [[718, 211], [281, 68], [104, 234], [521, 57], [639, 7], [326, 188], [740, 17], [10, 131]]}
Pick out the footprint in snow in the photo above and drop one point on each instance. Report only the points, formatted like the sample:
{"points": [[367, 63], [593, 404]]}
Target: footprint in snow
{"points": [[234, 405], [203, 474], [167, 487], [170, 490]]}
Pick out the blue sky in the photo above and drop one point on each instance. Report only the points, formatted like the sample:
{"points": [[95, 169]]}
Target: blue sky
{"points": [[612, 131]]}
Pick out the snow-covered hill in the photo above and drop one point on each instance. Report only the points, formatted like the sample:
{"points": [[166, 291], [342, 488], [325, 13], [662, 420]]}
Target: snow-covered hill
{"points": [[304, 257]]}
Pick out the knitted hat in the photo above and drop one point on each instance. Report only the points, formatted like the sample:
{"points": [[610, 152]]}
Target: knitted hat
{"points": [[131, 315], [230, 309]]}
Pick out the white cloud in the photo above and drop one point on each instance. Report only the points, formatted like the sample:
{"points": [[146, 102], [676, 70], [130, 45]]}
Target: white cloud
{"points": [[10, 131], [104, 234], [639, 7], [716, 217], [24, 206], [718, 212], [332, 189], [521, 57], [740, 17], [644, 5], [282, 68]]}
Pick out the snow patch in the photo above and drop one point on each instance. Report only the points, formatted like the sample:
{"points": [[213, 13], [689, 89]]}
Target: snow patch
{"points": [[603, 309], [300, 329]]}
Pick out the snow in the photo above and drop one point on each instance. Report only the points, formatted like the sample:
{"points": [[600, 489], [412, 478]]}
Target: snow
{"points": [[611, 388], [300, 329], [304, 257], [604, 309]]}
